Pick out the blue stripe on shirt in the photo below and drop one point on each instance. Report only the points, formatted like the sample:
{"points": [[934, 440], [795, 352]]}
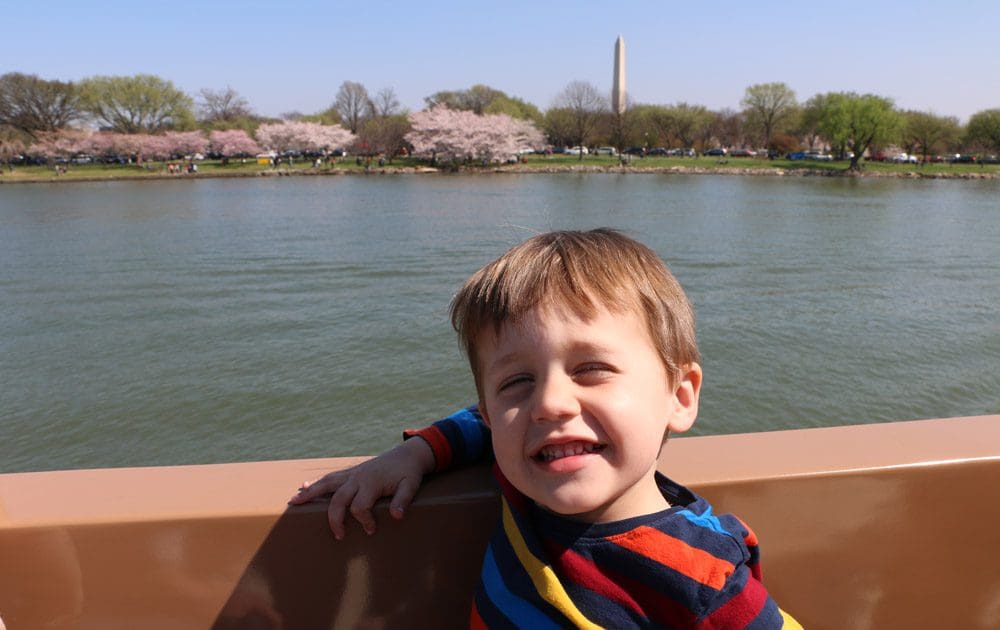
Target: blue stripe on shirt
{"points": [[519, 611]]}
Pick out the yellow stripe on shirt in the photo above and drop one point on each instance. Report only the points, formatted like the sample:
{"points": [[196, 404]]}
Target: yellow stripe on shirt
{"points": [[544, 578]]}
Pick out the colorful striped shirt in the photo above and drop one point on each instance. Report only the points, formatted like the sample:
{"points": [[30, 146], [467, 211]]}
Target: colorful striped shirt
{"points": [[682, 567]]}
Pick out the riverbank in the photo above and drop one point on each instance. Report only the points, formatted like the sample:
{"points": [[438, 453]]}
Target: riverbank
{"points": [[535, 165]]}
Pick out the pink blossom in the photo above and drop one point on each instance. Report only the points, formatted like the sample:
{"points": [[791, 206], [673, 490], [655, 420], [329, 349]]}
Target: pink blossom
{"points": [[233, 142], [62, 143], [303, 136], [183, 143], [460, 134]]}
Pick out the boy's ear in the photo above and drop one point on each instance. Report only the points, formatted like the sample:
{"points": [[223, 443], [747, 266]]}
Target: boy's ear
{"points": [[685, 401]]}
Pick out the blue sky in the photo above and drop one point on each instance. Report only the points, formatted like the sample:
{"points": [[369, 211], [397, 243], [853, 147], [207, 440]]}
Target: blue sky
{"points": [[282, 56]]}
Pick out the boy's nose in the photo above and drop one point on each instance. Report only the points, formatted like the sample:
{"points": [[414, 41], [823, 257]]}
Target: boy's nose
{"points": [[555, 399]]}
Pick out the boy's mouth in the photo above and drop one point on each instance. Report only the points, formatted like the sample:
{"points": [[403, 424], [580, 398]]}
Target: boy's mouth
{"points": [[552, 452]]}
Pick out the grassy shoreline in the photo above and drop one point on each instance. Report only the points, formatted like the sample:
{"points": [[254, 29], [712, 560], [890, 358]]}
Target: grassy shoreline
{"points": [[535, 164]]}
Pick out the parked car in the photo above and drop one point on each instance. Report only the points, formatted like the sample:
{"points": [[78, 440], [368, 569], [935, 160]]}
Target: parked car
{"points": [[605, 151], [577, 151], [962, 159], [905, 158], [821, 157], [715, 152], [742, 153], [657, 151], [635, 151], [681, 152], [796, 155]]}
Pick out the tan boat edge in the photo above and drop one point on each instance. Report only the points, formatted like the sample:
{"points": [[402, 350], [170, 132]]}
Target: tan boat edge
{"points": [[870, 526]]}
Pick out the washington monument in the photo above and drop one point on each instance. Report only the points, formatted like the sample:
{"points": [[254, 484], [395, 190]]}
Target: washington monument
{"points": [[618, 87]]}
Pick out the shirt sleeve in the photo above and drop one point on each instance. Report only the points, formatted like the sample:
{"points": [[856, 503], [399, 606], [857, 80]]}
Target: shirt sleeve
{"points": [[460, 439], [744, 602]]}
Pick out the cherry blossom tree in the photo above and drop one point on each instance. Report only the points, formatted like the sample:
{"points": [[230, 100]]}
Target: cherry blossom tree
{"points": [[303, 136], [183, 143], [464, 135], [232, 143], [62, 143], [139, 146]]}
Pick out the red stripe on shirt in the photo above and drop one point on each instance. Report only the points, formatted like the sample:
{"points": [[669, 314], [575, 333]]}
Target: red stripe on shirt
{"points": [[628, 592], [475, 621], [740, 610], [697, 564], [585, 573]]}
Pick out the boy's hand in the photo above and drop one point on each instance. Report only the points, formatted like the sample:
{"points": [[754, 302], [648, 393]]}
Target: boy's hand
{"points": [[396, 473]]}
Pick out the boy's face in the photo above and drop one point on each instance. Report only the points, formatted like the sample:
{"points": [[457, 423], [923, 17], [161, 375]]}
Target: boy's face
{"points": [[578, 411]]}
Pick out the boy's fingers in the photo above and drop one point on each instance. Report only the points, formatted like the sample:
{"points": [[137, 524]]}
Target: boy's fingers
{"points": [[361, 507], [308, 491], [401, 500], [337, 511]]}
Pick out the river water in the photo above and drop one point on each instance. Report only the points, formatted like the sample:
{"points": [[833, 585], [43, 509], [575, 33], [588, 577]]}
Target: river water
{"points": [[169, 322]]}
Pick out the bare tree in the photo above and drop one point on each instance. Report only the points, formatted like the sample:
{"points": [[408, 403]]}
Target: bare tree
{"points": [[585, 104], [726, 128], [622, 125], [31, 105], [385, 103], [223, 105], [353, 104]]}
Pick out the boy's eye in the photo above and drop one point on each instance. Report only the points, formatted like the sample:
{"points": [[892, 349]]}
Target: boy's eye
{"points": [[511, 382], [594, 371]]}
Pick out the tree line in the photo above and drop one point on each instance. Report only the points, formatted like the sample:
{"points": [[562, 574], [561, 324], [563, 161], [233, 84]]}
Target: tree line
{"points": [[848, 124]]}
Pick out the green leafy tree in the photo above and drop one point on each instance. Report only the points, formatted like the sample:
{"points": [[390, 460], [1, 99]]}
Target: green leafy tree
{"points": [[767, 108], [138, 104], [983, 130], [482, 99], [329, 116], [475, 99], [853, 123], [558, 126], [810, 121], [682, 123], [515, 108], [928, 133], [32, 105], [644, 130]]}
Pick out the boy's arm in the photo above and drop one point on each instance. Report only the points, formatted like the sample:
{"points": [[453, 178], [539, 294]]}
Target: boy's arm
{"points": [[459, 439], [744, 601]]}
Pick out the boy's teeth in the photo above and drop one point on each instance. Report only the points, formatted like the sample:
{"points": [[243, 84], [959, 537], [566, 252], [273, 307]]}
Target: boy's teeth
{"points": [[558, 451]]}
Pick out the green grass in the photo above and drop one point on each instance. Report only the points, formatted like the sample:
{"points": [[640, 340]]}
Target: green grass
{"points": [[237, 167]]}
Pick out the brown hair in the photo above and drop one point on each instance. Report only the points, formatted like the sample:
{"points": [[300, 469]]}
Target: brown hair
{"points": [[581, 271]]}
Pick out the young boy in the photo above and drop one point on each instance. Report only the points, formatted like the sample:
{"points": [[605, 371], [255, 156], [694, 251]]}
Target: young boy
{"points": [[582, 347]]}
